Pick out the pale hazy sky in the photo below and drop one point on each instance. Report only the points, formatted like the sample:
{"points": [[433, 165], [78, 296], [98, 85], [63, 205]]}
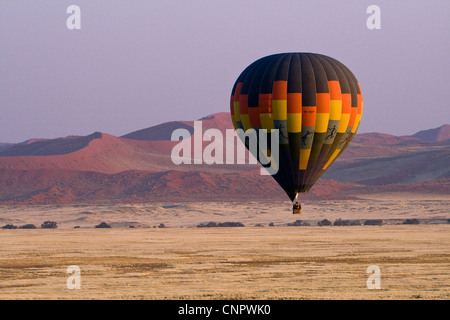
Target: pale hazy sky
{"points": [[134, 64]]}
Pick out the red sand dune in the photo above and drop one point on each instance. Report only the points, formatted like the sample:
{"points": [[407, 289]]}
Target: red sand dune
{"points": [[221, 121], [107, 154], [104, 168], [50, 186]]}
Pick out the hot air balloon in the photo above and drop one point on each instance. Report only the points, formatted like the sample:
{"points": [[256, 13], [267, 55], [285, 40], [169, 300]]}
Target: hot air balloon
{"points": [[313, 100]]}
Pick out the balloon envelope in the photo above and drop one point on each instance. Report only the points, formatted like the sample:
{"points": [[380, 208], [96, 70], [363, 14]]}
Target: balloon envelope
{"points": [[313, 100]]}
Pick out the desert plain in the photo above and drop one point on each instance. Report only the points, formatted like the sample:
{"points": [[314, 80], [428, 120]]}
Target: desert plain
{"points": [[265, 259]]}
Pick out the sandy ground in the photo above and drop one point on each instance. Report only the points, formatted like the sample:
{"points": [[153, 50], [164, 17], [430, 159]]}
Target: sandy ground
{"points": [[184, 262], [394, 208]]}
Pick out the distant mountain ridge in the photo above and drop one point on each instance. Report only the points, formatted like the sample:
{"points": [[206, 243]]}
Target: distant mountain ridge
{"points": [[163, 132], [4, 146], [159, 132], [137, 167], [437, 134], [45, 147]]}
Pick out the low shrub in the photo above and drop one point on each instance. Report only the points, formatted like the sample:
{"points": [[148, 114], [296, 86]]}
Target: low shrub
{"points": [[103, 225], [411, 221], [220, 224], [340, 222], [208, 225], [28, 226], [230, 224], [324, 222], [9, 226], [298, 223], [373, 222], [49, 225]]}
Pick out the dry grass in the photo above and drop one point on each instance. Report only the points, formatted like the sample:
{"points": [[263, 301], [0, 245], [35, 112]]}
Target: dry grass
{"points": [[227, 263]]}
